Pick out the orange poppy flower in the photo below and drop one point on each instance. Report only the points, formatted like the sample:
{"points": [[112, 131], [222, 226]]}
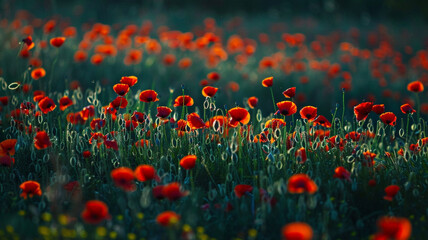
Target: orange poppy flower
{"points": [[57, 42], [300, 183], [301, 152], [130, 80], [188, 162], [388, 118], [7, 147], [309, 113], [185, 63], [242, 189], [80, 56], [64, 103], [297, 231], [38, 73], [97, 59], [321, 120], [406, 109], [142, 143], [342, 173], [378, 109], [97, 123], [286, 108], [163, 112], [145, 173], [173, 191], [195, 122], [214, 76], [391, 191], [30, 189], [119, 102], [42, 140], [169, 59], [123, 178], [185, 100], [28, 42], [267, 82], [149, 96], [393, 228], [290, 92], [362, 110], [275, 123], [415, 86], [88, 112], [239, 115], [46, 105], [252, 102], [95, 212], [121, 89], [168, 218], [209, 91]]}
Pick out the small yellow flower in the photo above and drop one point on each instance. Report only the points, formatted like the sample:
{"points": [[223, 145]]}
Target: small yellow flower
{"points": [[200, 230], [187, 228], [140, 215], [9, 229], [21, 213], [44, 231], [62, 219], [132, 236], [252, 233], [47, 217], [101, 231], [113, 235]]}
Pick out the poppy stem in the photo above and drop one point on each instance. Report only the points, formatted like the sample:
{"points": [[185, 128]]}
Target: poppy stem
{"points": [[343, 105], [418, 107], [273, 100], [407, 127]]}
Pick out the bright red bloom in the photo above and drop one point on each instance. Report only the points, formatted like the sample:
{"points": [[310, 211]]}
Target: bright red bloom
{"points": [[252, 102], [148, 96], [393, 228], [290, 92], [300, 183], [321, 120], [239, 114], [390, 192], [194, 121], [209, 91], [97, 124], [42, 140], [362, 110], [38, 73], [157, 192], [183, 101], [415, 87], [95, 212], [47, 105], [6, 161], [121, 89], [7, 147], [275, 123], [163, 112], [267, 82], [308, 112], [30, 189], [242, 189], [301, 152], [86, 154], [388, 118], [406, 109], [145, 173], [173, 191], [119, 102], [130, 80], [342, 173], [214, 76], [88, 112], [378, 108], [168, 218], [286, 108], [57, 42], [123, 178], [297, 231], [138, 116], [188, 162], [64, 103]]}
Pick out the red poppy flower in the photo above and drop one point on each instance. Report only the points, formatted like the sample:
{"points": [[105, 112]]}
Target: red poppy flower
{"points": [[38, 73], [86, 154], [188, 162], [72, 186], [4, 100], [406, 109], [393, 228], [64, 103], [46, 105], [123, 178], [242, 189], [121, 89], [214, 76], [157, 192], [308, 112], [342, 173], [111, 144], [415, 87], [95, 212], [321, 120], [138, 116], [300, 183], [362, 110], [297, 231], [252, 102], [275, 123], [7, 147], [130, 80], [301, 152], [173, 191], [267, 82], [290, 92], [388, 118], [7, 161], [195, 122], [30, 189], [148, 96], [391, 191], [42, 141], [168, 218], [378, 109], [88, 112], [97, 124], [28, 42], [119, 102], [183, 101], [239, 115], [57, 42], [163, 112], [286, 108], [145, 173], [209, 91]]}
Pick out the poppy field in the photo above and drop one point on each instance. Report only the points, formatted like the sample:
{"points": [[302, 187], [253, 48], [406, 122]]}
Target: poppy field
{"points": [[160, 126]]}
